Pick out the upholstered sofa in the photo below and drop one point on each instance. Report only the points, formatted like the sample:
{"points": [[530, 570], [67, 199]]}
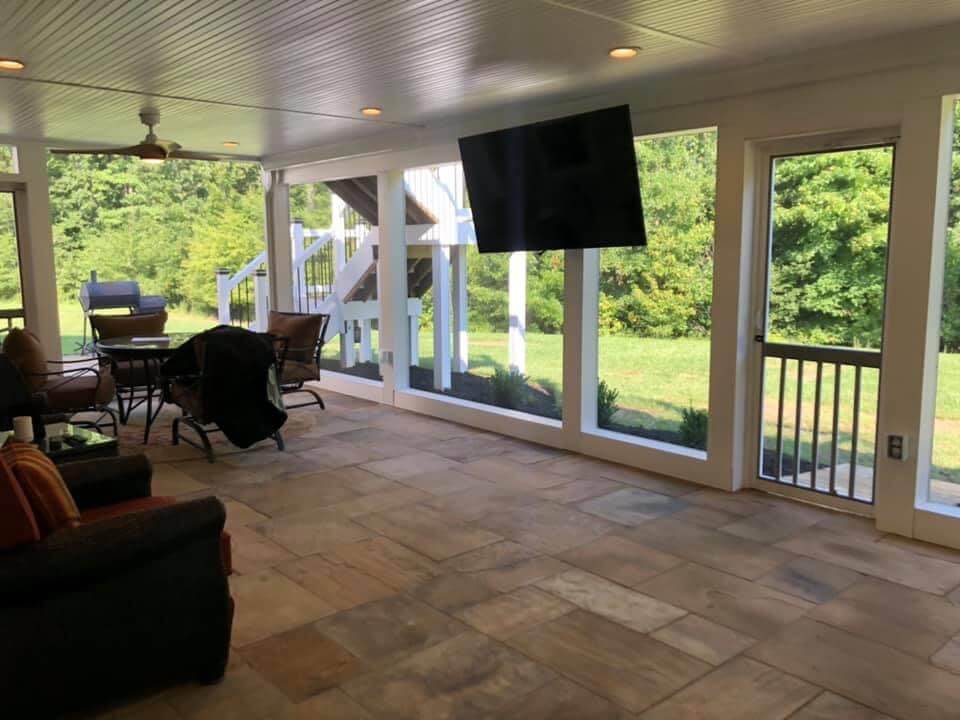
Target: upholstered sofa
{"points": [[134, 598]]}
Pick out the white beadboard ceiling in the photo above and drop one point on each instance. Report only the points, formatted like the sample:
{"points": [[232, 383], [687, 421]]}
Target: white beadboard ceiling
{"points": [[280, 75]]}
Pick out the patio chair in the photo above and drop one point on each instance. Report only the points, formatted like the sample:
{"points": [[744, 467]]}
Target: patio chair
{"points": [[72, 387], [225, 380], [299, 342], [132, 378]]}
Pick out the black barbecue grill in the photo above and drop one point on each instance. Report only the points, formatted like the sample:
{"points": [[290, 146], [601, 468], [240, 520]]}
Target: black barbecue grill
{"points": [[115, 295]]}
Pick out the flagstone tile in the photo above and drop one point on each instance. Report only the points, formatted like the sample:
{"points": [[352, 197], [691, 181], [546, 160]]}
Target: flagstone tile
{"points": [[506, 565], [547, 527], [295, 494], [561, 700], [810, 579], [741, 503], [505, 615], [452, 592], [252, 552], [243, 694], [313, 531], [715, 549], [881, 560], [240, 514], [748, 607], [405, 466], [830, 706], [770, 527], [383, 631], [268, 603], [168, 479], [632, 506], [443, 482], [421, 530], [621, 560], [302, 662], [948, 656], [328, 705], [703, 639], [578, 490], [743, 689], [617, 663], [379, 501], [910, 620], [512, 475], [866, 671], [473, 504], [467, 676], [705, 516], [389, 562], [335, 581]]}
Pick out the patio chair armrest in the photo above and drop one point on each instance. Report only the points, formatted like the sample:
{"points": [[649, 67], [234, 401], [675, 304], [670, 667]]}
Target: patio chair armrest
{"points": [[95, 483]]}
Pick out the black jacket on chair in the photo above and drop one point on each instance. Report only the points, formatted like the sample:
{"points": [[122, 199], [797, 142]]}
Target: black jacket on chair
{"points": [[233, 371]]}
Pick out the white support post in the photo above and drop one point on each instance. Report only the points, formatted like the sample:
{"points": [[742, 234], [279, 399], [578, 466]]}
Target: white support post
{"points": [[392, 277], [296, 237], [261, 300], [517, 353], [339, 253], [223, 296], [414, 339], [348, 357], [366, 340], [458, 287], [441, 317], [279, 244], [38, 269]]}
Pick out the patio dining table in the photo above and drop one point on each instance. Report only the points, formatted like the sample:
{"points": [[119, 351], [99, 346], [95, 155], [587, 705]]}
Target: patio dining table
{"points": [[151, 351]]}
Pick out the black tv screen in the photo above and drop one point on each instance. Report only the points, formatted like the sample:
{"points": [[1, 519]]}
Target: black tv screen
{"points": [[558, 184]]}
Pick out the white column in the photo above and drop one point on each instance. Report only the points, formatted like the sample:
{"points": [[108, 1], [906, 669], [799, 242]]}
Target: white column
{"points": [[261, 300], [518, 312], [366, 340], [392, 276], [458, 288], [348, 357], [414, 339], [441, 317], [279, 245], [339, 254], [223, 296], [580, 360], [38, 271]]}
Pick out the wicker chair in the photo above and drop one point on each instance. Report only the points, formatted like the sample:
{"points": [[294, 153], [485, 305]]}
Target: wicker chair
{"points": [[299, 339]]}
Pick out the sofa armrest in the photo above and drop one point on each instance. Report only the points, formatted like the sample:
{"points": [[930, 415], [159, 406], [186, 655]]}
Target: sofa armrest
{"points": [[77, 558], [95, 483]]}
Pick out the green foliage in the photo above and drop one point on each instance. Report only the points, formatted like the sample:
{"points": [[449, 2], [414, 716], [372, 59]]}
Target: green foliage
{"points": [[508, 387], [607, 407], [311, 205], [693, 427]]}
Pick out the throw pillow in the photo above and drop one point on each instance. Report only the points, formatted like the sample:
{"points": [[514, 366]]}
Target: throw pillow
{"points": [[52, 504], [18, 525], [25, 351]]}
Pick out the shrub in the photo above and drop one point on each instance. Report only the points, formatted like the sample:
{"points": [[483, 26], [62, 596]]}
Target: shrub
{"points": [[606, 403], [508, 387], [693, 428]]}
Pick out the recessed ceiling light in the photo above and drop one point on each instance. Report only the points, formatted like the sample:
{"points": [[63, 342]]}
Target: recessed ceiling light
{"points": [[371, 111], [623, 53], [11, 64], [230, 143]]}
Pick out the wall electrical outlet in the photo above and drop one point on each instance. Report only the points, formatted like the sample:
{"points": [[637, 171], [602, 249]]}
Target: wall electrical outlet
{"points": [[897, 447]]}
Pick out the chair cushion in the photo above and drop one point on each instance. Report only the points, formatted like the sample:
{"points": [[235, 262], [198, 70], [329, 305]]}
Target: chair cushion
{"points": [[41, 483], [67, 393], [18, 525], [25, 351], [301, 330], [114, 326], [108, 512], [296, 372]]}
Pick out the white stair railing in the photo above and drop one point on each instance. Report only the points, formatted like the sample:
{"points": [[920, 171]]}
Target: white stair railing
{"points": [[236, 290]]}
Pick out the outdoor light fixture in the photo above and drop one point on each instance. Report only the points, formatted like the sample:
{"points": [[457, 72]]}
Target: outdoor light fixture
{"points": [[623, 53], [152, 161], [230, 143], [371, 111], [11, 64]]}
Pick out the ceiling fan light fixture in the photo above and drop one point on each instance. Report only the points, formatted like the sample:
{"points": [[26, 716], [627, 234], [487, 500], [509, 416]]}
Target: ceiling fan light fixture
{"points": [[11, 64], [371, 111], [624, 52], [152, 160], [230, 143]]}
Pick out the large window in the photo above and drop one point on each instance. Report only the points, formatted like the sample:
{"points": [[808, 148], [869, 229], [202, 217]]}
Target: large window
{"points": [[654, 323], [335, 269], [945, 467], [168, 227], [8, 159], [11, 295], [498, 322]]}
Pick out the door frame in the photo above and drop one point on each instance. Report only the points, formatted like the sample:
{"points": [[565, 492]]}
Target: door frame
{"points": [[765, 152], [18, 191]]}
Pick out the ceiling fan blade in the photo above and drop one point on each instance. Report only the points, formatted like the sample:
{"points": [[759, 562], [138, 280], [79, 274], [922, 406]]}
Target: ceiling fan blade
{"points": [[168, 145], [189, 155], [132, 150]]}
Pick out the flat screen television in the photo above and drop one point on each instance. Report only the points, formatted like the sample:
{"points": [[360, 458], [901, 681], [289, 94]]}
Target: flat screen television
{"points": [[558, 184]]}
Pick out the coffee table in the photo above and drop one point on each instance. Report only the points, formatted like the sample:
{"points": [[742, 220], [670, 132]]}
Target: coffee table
{"points": [[66, 442]]}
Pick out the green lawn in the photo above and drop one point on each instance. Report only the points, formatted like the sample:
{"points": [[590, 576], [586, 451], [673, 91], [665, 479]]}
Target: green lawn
{"points": [[71, 325]]}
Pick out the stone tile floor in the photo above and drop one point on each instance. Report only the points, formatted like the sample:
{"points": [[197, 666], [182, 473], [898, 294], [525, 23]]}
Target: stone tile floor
{"points": [[391, 565]]}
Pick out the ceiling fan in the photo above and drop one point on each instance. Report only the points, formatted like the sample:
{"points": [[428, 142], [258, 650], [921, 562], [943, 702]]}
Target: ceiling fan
{"points": [[151, 149]]}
